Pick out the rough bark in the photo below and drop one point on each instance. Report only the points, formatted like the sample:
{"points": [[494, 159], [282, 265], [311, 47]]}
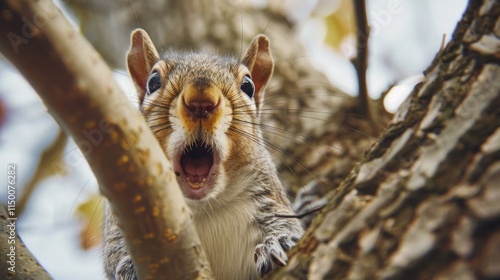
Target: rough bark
{"points": [[423, 203], [133, 173], [25, 265], [314, 130]]}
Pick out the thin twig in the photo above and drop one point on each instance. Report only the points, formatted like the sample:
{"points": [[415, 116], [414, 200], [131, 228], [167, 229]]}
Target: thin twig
{"points": [[360, 62], [300, 216]]}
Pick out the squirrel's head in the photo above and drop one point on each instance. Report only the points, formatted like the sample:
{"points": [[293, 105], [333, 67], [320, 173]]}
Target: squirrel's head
{"points": [[204, 109]]}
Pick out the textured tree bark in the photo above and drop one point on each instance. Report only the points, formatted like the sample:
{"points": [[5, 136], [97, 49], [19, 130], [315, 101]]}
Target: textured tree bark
{"points": [[423, 203], [133, 173], [23, 264]]}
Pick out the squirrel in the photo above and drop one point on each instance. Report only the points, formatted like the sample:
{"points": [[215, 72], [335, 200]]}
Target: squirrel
{"points": [[205, 109]]}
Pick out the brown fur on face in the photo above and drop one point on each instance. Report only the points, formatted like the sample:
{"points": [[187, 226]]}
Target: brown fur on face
{"points": [[217, 79]]}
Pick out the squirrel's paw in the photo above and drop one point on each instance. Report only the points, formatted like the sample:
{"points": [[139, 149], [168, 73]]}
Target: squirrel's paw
{"points": [[272, 252]]}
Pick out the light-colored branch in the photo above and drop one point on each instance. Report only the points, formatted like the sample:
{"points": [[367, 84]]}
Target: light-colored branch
{"points": [[133, 173]]}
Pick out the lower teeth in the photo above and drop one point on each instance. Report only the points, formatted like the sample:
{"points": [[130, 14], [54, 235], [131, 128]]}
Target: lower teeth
{"points": [[197, 185]]}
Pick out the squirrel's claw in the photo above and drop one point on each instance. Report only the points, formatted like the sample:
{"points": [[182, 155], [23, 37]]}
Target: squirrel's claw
{"points": [[277, 259], [272, 253]]}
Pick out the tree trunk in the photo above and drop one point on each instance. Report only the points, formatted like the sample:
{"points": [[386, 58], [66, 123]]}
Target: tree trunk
{"points": [[423, 203]]}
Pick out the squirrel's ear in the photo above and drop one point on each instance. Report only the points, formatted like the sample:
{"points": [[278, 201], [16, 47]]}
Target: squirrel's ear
{"points": [[259, 61], [141, 58]]}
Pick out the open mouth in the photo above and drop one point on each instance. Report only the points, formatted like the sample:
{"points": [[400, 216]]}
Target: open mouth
{"points": [[198, 163]]}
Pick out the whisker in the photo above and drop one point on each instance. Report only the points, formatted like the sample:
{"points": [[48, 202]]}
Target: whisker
{"points": [[266, 144], [74, 201], [92, 218]]}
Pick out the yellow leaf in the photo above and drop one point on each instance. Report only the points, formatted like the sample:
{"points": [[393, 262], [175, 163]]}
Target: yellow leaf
{"points": [[340, 24], [91, 212]]}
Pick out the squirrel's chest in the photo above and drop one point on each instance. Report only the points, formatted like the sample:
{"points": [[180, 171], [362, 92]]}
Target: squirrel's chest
{"points": [[229, 236]]}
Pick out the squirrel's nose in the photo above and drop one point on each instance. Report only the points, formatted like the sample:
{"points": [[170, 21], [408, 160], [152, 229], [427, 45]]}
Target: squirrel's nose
{"points": [[200, 98], [201, 108]]}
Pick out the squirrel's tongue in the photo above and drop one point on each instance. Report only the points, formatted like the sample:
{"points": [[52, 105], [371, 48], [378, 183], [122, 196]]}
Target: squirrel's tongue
{"points": [[196, 165]]}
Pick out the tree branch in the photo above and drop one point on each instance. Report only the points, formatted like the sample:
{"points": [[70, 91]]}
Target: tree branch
{"points": [[132, 170]]}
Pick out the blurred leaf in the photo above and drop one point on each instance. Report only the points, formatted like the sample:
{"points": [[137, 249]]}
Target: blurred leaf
{"points": [[91, 212], [340, 24], [51, 156]]}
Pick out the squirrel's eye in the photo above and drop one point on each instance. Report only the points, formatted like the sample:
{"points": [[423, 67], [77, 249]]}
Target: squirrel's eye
{"points": [[153, 83], [247, 86]]}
